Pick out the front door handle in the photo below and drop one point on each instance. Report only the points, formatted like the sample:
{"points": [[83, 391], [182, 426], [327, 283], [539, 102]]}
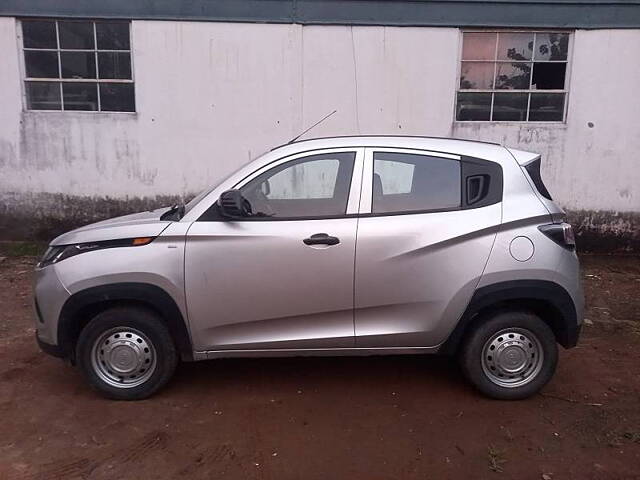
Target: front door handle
{"points": [[321, 239]]}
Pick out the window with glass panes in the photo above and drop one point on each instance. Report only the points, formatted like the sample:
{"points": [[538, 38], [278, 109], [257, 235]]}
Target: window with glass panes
{"points": [[78, 65], [513, 76]]}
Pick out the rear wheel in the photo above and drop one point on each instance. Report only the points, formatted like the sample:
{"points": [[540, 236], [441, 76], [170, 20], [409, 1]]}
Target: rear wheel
{"points": [[510, 355], [126, 353]]}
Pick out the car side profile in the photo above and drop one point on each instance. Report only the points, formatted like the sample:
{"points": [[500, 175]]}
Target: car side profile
{"points": [[338, 246]]}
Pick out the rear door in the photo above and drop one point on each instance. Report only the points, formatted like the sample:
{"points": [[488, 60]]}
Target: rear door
{"points": [[427, 225]]}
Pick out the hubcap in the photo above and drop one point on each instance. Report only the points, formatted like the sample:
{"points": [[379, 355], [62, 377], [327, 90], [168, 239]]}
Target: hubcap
{"points": [[123, 357], [512, 357]]}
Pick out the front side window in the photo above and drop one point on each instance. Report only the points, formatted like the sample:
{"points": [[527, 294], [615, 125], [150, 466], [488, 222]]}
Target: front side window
{"points": [[513, 76], [77, 65], [404, 182], [308, 187]]}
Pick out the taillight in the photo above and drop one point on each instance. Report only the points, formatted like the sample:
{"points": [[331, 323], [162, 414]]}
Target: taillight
{"points": [[561, 233]]}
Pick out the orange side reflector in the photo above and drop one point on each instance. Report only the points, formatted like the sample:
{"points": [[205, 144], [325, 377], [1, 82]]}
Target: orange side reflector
{"points": [[142, 241]]}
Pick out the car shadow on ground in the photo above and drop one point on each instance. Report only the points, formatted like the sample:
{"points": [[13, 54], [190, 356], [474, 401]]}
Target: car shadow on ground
{"points": [[438, 372]]}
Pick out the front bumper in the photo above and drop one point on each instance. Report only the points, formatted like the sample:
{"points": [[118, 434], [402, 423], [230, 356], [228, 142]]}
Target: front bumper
{"points": [[53, 350], [50, 295]]}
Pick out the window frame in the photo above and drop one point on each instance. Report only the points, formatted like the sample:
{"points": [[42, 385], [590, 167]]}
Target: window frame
{"points": [[353, 195], [61, 81], [366, 194], [469, 166], [529, 91]]}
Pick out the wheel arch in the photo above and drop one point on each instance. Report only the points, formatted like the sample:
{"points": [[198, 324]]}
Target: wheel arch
{"points": [[82, 306], [548, 300]]}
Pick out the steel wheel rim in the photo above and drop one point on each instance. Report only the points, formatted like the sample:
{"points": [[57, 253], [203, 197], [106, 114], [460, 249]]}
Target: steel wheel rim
{"points": [[123, 357], [512, 357]]}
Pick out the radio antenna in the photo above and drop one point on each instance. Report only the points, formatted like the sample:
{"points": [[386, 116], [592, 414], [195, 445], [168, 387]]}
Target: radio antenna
{"points": [[312, 126]]}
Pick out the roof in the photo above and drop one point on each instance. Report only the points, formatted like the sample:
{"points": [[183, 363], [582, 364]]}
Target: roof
{"points": [[471, 148], [371, 138], [441, 13]]}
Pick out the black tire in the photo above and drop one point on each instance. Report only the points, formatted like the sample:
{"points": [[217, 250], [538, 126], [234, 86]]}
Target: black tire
{"points": [[472, 354], [136, 319]]}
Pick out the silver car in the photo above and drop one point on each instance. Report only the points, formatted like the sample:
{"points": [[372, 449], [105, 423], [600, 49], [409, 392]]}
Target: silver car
{"points": [[362, 245]]}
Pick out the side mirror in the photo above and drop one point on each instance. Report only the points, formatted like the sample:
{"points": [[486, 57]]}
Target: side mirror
{"points": [[233, 205]]}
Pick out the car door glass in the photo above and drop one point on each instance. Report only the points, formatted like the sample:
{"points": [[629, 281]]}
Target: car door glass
{"points": [[308, 187], [307, 180], [404, 182]]}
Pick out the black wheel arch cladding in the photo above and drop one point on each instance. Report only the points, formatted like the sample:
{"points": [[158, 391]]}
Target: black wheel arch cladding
{"points": [[100, 297], [545, 298]]}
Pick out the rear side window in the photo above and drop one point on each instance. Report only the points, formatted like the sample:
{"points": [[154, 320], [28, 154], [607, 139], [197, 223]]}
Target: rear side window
{"points": [[533, 169], [404, 182]]}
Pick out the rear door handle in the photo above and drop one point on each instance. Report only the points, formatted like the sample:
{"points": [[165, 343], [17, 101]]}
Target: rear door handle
{"points": [[321, 239]]}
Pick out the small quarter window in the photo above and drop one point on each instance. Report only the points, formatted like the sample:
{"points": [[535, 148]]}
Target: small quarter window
{"points": [[405, 182]]}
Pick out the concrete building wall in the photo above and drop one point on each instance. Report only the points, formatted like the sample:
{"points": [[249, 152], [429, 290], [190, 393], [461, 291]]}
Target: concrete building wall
{"points": [[211, 96]]}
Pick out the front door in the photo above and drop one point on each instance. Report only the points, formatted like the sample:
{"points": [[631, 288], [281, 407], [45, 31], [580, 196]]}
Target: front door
{"points": [[282, 278], [428, 225]]}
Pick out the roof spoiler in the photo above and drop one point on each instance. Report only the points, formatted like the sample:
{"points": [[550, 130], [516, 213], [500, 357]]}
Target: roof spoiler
{"points": [[523, 158]]}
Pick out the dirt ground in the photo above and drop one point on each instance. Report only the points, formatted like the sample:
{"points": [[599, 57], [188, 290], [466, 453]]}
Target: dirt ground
{"points": [[330, 418]]}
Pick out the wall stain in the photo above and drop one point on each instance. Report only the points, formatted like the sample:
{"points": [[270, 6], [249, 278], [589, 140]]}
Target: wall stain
{"points": [[43, 216], [605, 231], [7, 154]]}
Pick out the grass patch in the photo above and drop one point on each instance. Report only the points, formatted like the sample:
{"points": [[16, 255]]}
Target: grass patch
{"points": [[496, 459], [22, 249]]}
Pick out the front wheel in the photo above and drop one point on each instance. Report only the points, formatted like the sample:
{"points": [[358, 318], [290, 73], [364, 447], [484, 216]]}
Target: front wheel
{"points": [[510, 355], [126, 353]]}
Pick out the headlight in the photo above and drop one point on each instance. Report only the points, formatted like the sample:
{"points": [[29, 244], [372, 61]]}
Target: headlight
{"points": [[56, 254]]}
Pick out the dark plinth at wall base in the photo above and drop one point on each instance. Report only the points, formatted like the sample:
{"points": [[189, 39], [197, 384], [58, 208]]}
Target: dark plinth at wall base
{"points": [[605, 231], [43, 216]]}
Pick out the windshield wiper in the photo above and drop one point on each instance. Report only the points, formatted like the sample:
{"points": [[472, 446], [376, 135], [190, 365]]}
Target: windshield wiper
{"points": [[175, 213]]}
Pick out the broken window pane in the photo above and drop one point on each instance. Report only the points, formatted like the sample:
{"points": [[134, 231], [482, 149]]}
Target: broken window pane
{"points": [[552, 46], [39, 34], [528, 66], [515, 46], [510, 107], [117, 97], [114, 65], [80, 95], [473, 106], [41, 64], [43, 95], [479, 46], [78, 64], [546, 107], [113, 35], [477, 75], [76, 35], [548, 76], [513, 76]]}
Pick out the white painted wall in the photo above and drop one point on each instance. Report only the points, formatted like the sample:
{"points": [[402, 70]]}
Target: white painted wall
{"points": [[210, 96]]}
